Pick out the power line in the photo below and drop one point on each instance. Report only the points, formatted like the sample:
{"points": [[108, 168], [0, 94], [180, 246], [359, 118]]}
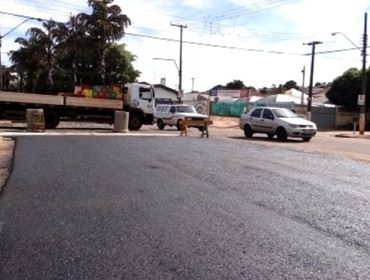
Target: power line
{"points": [[200, 43], [27, 17], [211, 45], [254, 7]]}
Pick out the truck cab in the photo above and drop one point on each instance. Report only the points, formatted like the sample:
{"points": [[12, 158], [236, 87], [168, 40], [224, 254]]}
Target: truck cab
{"points": [[139, 101]]}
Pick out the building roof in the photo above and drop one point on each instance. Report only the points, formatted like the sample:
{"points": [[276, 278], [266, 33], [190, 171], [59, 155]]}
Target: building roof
{"points": [[166, 88]]}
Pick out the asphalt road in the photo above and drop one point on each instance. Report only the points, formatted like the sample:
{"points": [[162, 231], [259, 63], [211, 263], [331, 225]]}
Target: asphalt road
{"points": [[181, 208]]}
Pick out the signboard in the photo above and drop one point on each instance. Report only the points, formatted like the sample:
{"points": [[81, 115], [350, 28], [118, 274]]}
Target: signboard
{"points": [[361, 100]]}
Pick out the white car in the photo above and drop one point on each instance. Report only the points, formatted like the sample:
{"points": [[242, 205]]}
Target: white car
{"points": [[173, 115], [276, 121]]}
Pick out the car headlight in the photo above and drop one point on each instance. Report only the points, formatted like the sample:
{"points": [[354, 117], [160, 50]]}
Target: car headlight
{"points": [[293, 125]]}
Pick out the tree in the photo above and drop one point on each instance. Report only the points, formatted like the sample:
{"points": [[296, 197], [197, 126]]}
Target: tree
{"points": [[7, 77], [27, 63], [119, 65], [105, 25], [263, 90], [345, 89], [44, 42], [236, 84], [72, 46], [290, 84], [58, 56]]}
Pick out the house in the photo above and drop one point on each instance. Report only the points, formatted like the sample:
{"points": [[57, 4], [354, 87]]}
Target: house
{"points": [[165, 94]]}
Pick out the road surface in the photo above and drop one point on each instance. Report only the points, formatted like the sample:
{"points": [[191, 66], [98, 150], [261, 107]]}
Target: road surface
{"points": [[181, 208]]}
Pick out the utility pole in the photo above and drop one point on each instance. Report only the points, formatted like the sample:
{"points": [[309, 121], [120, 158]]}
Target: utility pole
{"points": [[309, 104], [1, 67], [303, 77], [180, 61], [362, 119]]}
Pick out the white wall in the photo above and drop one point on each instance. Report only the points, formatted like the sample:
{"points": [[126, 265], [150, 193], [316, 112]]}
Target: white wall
{"points": [[162, 93]]}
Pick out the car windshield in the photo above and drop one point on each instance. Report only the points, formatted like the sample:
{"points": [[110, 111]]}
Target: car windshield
{"points": [[185, 109], [284, 113]]}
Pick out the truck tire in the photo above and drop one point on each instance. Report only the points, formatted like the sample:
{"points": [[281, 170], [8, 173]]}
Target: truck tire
{"points": [[135, 121], [52, 119]]}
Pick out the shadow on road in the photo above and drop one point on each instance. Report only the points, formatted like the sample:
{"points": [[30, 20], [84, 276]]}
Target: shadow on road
{"points": [[265, 139]]}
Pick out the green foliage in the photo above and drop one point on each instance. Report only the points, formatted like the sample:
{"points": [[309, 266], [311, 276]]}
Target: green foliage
{"points": [[264, 91], [346, 88], [290, 84], [236, 84], [58, 56], [119, 65]]}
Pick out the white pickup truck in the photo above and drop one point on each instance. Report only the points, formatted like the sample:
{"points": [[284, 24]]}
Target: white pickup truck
{"points": [[173, 115]]}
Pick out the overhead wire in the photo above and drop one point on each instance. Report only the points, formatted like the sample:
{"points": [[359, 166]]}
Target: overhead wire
{"points": [[205, 44]]}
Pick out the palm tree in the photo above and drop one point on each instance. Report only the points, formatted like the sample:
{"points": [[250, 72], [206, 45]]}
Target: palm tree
{"points": [[106, 24], [45, 43], [27, 62], [72, 44]]}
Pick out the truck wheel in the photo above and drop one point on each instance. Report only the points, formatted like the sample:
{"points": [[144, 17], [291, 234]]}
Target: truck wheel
{"points": [[160, 124], [135, 122], [52, 119]]}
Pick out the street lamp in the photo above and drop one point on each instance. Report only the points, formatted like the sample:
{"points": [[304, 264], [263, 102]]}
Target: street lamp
{"points": [[348, 39], [6, 34], [362, 95], [178, 70]]}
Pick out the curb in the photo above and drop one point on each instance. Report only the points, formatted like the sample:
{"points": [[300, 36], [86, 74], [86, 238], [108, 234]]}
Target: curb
{"points": [[353, 136], [6, 159]]}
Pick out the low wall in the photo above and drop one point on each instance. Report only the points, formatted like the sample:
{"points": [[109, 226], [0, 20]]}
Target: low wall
{"points": [[345, 118]]}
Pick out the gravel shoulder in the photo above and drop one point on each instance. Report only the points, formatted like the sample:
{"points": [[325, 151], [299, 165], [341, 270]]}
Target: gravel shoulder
{"points": [[6, 157]]}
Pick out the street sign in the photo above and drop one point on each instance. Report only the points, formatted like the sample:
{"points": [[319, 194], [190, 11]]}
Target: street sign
{"points": [[361, 100]]}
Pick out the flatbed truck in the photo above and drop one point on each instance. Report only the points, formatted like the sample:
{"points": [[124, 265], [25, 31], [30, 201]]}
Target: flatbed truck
{"points": [[138, 100]]}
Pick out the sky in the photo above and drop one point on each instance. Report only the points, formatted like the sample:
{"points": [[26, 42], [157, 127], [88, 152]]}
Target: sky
{"points": [[261, 42]]}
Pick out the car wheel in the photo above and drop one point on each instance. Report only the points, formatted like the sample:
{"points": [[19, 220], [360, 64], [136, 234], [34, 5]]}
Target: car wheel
{"points": [[281, 134], [248, 132], [270, 135], [160, 124], [306, 139]]}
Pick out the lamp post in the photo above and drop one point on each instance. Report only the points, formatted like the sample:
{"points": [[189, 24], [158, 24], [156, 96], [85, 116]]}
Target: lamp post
{"points": [[303, 78], [1, 37], [362, 95], [178, 70]]}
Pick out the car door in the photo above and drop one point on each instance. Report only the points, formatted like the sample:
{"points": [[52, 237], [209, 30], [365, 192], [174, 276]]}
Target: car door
{"points": [[166, 114], [255, 119], [267, 121]]}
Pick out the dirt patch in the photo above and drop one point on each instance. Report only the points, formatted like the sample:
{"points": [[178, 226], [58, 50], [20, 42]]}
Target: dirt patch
{"points": [[6, 157], [225, 122]]}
